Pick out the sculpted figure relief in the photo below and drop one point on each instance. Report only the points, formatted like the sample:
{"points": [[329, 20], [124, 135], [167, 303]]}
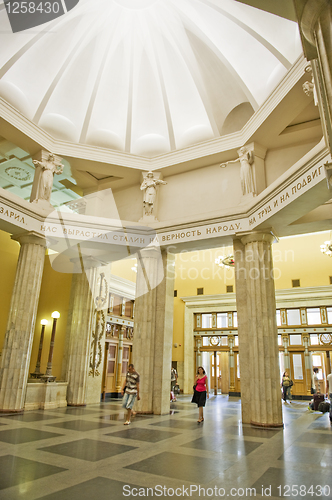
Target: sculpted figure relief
{"points": [[328, 174], [246, 159], [149, 186], [48, 167], [309, 88]]}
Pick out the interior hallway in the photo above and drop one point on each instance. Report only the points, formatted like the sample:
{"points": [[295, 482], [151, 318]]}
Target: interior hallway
{"points": [[84, 453]]}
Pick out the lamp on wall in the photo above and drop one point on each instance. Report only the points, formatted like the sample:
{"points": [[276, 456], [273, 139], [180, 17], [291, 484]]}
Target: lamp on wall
{"points": [[223, 261], [48, 377], [327, 248], [36, 373]]}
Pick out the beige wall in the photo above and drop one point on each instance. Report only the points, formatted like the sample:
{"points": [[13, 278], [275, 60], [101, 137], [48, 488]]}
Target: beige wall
{"points": [[294, 258], [54, 296], [10, 250], [200, 193], [277, 161], [123, 269]]}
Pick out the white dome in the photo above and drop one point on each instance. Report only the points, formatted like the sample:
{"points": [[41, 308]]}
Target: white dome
{"points": [[146, 76]]}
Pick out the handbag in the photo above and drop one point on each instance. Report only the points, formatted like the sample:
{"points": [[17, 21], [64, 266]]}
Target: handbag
{"points": [[194, 387], [291, 383]]}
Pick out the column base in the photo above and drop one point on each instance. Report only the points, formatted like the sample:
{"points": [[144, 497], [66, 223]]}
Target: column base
{"points": [[45, 396], [17, 412], [36, 375], [266, 426], [48, 378]]}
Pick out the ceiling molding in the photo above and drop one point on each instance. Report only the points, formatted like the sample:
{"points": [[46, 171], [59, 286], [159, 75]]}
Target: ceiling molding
{"points": [[285, 298], [199, 152]]}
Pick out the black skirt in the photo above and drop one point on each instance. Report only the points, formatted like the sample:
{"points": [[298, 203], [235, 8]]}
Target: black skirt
{"points": [[199, 398]]}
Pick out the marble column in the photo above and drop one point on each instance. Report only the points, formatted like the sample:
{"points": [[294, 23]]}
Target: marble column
{"points": [[328, 363], [285, 342], [231, 364], [119, 361], [257, 330], [243, 328], [199, 353], [315, 19], [153, 329], [307, 364], [215, 381], [78, 338], [15, 359]]}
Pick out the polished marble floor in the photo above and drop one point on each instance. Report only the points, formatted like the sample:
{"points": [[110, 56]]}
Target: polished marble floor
{"points": [[87, 453]]}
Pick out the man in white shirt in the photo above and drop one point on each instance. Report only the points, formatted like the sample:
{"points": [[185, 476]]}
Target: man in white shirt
{"points": [[315, 382]]}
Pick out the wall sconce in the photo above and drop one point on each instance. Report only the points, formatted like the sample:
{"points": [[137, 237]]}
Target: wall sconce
{"points": [[36, 373], [48, 377], [327, 248]]}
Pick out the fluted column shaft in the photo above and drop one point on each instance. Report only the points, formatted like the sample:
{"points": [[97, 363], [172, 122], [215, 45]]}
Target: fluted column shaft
{"points": [[16, 352], [199, 354], [231, 364], [153, 329], [257, 329], [119, 361], [285, 341], [314, 19], [79, 330], [307, 363]]}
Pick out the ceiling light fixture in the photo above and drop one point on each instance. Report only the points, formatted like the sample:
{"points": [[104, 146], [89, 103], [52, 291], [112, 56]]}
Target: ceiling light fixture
{"points": [[327, 248]]}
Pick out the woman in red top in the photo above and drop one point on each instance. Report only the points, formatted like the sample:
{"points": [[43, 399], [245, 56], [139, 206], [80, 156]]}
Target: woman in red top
{"points": [[201, 392]]}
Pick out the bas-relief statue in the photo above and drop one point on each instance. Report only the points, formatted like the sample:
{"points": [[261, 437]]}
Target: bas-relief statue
{"points": [[48, 168], [149, 186], [328, 174], [246, 159]]}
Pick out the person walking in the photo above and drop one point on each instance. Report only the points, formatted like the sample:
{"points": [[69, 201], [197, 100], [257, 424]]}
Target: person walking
{"points": [[286, 387], [315, 382], [329, 387], [130, 391], [201, 392], [174, 378]]}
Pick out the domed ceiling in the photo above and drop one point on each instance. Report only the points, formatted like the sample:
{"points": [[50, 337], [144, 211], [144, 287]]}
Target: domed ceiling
{"points": [[146, 76]]}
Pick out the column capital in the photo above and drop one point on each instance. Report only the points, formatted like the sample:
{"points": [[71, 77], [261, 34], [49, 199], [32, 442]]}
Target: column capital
{"points": [[253, 236], [308, 15], [151, 252], [257, 149], [85, 262], [30, 237]]}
